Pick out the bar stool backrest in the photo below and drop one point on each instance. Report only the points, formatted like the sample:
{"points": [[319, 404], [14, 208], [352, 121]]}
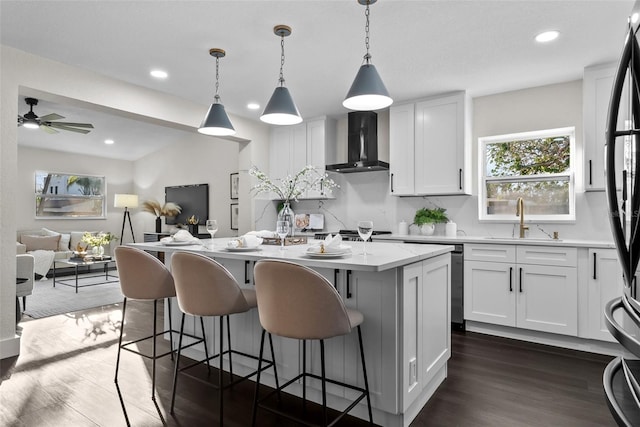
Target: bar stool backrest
{"points": [[296, 302], [143, 276], [204, 287]]}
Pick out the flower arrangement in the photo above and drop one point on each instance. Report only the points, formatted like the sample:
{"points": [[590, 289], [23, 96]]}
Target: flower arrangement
{"points": [[97, 240], [292, 187], [168, 209], [430, 216]]}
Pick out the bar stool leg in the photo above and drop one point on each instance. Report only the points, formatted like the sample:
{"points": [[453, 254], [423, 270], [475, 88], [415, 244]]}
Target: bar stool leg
{"points": [[324, 385], [124, 308], [153, 364], [229, 348], [364, 371], [206, 351], [177, 364], [170, 327], [221, 370], [257, 392], [275, 369], [304, 376]]}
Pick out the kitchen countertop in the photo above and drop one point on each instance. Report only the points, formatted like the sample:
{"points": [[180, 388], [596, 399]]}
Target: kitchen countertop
{"points": [[380, 256], [495, 240]]}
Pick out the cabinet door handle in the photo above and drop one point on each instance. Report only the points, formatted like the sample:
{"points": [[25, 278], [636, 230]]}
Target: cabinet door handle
{"points": [[460, 178], [520, 279], [510, 279], [594, 267], [348, 284], [392, 183], [335, 278], [590, 181], [246, 272]]}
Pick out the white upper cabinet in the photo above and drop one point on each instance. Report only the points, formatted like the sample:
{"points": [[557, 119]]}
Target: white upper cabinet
{"points": [[597, 85], [429, 146], [294, 147]]}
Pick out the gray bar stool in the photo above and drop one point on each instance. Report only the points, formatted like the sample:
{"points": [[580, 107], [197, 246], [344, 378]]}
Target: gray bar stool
{"points": [[144, 277], [296, 302], [205, 288]]}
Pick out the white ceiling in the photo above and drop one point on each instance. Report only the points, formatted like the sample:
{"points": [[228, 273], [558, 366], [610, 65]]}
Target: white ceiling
{"points": [[420, 48]]}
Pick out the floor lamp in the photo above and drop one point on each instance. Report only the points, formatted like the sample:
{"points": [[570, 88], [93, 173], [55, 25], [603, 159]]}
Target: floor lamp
{"points": [[126, 201]]}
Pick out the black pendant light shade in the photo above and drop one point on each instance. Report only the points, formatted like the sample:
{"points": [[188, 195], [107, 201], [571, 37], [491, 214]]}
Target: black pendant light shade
{"points": [[216, 122], [367, 92], [281, 110]]}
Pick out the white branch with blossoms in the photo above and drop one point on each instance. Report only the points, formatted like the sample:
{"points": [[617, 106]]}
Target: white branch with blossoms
{"points": [[292, 187]]}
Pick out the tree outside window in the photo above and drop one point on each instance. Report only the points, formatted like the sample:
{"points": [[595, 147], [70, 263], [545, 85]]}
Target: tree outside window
{"points": [[537, 166]]}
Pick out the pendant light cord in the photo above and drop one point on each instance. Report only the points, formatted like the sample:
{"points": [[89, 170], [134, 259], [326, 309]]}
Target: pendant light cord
{"points": [[216, 98], [281, 79], [367, 56]]}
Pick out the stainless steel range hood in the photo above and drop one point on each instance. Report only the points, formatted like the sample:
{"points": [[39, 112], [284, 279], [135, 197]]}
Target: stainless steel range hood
{"points": [[362, 151]]}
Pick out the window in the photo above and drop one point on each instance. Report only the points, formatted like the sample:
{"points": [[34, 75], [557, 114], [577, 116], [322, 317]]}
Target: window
{"points": [[69, 196], [537, 166]]}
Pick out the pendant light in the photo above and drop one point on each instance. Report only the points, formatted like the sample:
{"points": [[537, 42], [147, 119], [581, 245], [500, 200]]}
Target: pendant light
{"points": [[216, 122], [367, 92], [281, 110]]}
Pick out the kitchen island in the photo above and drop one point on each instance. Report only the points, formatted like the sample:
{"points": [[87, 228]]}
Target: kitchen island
{"points": [[403, 291]]}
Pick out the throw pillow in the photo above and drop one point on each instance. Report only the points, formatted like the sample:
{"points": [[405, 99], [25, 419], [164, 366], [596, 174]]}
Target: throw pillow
{"points": [[45, 243], [63, 244]]}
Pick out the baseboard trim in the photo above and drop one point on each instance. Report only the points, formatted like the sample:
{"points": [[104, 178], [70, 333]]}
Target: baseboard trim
{"points": [[10, 347]]}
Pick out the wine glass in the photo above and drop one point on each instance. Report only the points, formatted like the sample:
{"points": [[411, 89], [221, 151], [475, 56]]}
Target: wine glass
{"points": [[365, 229], [212, 228], [282, 228]]}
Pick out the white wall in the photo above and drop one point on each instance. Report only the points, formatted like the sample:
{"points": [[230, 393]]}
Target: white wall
{"points": [[119, 177], [196, 159]]}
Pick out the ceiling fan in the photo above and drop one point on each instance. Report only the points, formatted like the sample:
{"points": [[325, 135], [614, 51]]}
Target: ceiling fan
{"points": [[31, 121]]}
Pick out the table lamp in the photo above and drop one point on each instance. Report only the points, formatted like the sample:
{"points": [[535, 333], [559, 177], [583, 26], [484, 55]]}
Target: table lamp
{"points": [[126, 201]]}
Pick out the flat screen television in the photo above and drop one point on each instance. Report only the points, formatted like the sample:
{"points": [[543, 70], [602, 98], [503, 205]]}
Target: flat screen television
{"points": [[193, 199]]}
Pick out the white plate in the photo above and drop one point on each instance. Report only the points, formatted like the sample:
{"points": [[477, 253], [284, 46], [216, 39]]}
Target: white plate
{"points": [[329, 254], [255, 248], [180, 243]]}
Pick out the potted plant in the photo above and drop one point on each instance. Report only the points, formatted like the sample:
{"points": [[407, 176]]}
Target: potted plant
{"points": [[426, 219], [168, 209]]}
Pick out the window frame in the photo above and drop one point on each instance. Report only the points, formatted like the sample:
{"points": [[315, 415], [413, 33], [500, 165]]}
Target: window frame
{"points": [[483, 142]]}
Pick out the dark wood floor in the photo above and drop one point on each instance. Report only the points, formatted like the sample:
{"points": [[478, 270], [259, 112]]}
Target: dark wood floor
{"points": [[64, 376]]}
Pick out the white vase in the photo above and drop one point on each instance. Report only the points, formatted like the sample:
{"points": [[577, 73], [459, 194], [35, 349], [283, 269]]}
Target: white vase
{"points": [[98, 251], [427, 229]]}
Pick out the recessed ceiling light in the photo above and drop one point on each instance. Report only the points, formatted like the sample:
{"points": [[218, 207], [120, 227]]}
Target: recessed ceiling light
{"points": [[109, 141], [253, 106], [547, 36], [159, 74], [634, 18]]}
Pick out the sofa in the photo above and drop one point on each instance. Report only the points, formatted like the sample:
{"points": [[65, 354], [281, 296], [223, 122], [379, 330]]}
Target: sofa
{"points": [[43, 242]]}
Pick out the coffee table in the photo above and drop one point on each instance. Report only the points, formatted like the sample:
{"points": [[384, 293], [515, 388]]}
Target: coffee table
{"points": [[79, 262]]}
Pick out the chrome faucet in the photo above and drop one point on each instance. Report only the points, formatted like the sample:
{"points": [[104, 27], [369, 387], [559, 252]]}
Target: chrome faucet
{"points": [[520, 213]]}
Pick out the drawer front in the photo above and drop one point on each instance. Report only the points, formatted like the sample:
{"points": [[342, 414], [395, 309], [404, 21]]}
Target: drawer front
{"points": [[490, 252], [547, 255]]}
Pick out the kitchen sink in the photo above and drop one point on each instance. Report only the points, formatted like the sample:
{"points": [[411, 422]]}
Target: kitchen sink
{"points": [[524, 239]]}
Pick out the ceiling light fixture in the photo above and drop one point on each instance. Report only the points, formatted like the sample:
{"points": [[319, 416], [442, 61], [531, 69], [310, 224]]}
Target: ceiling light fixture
{"points": [[367, 92], [281, 110], [216, 122], [253, 106], [547, 36], [159, 74], [109, 141]]}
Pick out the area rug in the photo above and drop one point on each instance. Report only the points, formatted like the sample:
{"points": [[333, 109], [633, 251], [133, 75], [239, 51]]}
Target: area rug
{"points": [[49, 301]]}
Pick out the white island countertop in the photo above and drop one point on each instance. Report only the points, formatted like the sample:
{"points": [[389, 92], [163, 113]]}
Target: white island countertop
{"points": [[380, 256]]}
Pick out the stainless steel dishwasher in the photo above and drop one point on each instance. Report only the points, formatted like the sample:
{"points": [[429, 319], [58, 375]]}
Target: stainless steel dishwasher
{"points": [[457, 281]]}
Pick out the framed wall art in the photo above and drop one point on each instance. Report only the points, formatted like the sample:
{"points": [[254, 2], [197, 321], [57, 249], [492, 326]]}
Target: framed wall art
{"points": [[69, 196], [234, 216], [234, 181]]}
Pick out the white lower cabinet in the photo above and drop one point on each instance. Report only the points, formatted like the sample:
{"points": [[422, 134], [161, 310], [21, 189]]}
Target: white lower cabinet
{"points": [[605, 283], [530, 287]]}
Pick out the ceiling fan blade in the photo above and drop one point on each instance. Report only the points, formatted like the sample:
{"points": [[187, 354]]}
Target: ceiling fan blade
{"points": [[48, 129], [76, 125], [52, 116], [70, 129]]}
